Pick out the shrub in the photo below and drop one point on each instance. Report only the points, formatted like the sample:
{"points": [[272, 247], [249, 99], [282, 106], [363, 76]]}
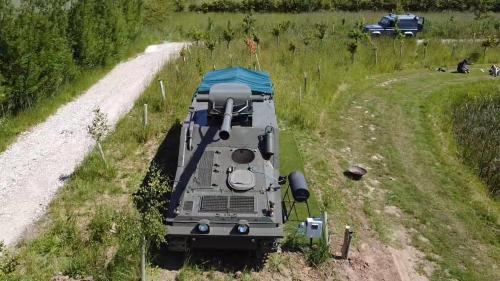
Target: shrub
{"points": [[44, 44], [475, 125]]}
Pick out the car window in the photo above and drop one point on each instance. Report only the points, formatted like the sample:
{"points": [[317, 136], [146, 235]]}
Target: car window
{"points": [[384, 21]]}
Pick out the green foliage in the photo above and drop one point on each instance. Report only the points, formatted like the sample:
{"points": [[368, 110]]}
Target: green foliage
{"points": [[320, 30], [319, 253], [228, 34], [249, 23], [196, 35], [99, 127], [8, 262], [490, 42], [292, 47], [209, 42], [352, 47], [475, 119], [180, 5], [151, 200], [480, 7], [44, 43]]}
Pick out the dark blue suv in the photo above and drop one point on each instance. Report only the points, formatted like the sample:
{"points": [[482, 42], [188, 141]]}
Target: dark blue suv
{"points": [[408, 24]]}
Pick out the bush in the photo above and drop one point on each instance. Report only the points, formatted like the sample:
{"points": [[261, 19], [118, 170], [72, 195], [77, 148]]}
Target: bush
{"points": [[43, 44], [295, 6], [475, 125]]}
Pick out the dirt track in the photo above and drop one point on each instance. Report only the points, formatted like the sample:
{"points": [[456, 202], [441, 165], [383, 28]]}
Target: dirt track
{"points": [[35, 166]]}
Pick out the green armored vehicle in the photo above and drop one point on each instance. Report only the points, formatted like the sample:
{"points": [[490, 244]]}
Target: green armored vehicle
{"points": [[227, 188]]}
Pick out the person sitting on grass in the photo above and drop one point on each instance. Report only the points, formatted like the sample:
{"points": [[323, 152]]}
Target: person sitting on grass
{"points": [[463, 67], [494, 71]]}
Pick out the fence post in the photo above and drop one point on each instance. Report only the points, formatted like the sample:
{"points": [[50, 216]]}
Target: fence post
{"points": [[347, 241], [305, 83], [145, 115], [300, 96], [143, 259], [162, 88], [319, 72], [326, 235]]}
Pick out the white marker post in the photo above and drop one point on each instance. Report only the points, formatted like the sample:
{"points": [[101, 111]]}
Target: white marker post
{"points": [[162, 88], [145, 115]]}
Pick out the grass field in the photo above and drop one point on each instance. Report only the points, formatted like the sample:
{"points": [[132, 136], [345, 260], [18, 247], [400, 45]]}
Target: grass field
{"points": [[385, 116]]}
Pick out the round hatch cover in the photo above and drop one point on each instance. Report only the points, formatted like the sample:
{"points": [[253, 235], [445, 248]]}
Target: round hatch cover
{"points": [[241, 180], [243, 156]]}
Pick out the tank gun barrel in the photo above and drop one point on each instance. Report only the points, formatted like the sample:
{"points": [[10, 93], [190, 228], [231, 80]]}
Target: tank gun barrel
{"points": [[225, 130]]}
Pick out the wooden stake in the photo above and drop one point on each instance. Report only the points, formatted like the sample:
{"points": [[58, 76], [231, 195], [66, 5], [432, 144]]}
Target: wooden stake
{"points": [[347, 241], [300, 96], [326, 236], [145, 115], [319, 71], [258, 62], [305, 83], [101, 152], [143, 259], [162, 88]]}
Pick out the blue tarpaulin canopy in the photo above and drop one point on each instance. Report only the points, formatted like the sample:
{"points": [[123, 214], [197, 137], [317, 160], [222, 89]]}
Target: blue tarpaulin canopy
{"points": [[258, 81]]}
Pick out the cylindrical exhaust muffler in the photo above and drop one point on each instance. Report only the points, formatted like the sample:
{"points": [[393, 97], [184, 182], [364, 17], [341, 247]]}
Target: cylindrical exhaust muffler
{"points": [[269, 143]]}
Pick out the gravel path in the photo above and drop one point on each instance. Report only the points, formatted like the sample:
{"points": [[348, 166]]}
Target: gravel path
{"points": [[34, 167]]}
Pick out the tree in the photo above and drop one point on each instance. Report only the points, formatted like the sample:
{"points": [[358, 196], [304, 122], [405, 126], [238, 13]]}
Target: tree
{"points": [[98, 129], [276, 31], [209, 42], [280, 28], [292, 47], [179, 5], [228, 34], [248, 23], [151, 202], [256, 39], [352, 47], [481, 8], [196, 35], [320, 30], [490, 42], [398, 36], [426, 45]]}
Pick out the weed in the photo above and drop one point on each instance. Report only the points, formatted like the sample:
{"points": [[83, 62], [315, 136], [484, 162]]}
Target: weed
{"points": [[319, 253]]}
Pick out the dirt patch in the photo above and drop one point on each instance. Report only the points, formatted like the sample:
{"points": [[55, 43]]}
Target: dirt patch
{"points": [[374, 261]]}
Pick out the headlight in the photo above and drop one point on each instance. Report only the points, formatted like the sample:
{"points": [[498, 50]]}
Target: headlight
{"points": [[243, 227], [203, 226]]}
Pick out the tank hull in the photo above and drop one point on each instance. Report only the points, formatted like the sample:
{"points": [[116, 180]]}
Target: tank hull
{"points": [[224, 183]]}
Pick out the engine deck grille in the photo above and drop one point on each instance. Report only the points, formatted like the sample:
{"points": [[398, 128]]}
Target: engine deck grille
{"points": [[232, 204], [204, 170], [242, 204], [211, 203]]}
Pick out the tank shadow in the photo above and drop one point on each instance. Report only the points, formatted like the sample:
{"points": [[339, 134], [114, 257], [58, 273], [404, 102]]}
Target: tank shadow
{"points": [[166, 157], [226, 261]]}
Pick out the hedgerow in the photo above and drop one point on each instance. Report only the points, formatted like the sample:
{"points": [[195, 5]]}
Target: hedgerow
{"points": [[45, 43], [288, 6]]}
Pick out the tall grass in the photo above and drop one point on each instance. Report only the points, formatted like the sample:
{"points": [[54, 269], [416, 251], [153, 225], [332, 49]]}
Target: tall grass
{"points": [[476, 123]]}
